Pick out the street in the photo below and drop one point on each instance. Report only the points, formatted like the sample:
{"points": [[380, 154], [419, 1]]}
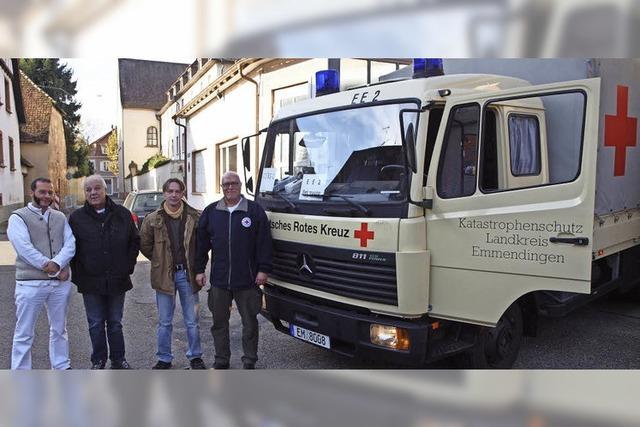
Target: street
{"points": [[603, 335]]}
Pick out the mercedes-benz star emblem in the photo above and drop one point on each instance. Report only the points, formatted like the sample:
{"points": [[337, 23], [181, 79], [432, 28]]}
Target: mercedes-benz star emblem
{"points": [[306, 265]]}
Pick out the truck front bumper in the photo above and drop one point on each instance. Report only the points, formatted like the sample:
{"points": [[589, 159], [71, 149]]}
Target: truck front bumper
{"points": [[349, 330]]}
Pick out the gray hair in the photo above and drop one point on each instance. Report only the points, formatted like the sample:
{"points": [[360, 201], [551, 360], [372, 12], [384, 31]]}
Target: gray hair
{"points": [[230, 173], [97, 178]]}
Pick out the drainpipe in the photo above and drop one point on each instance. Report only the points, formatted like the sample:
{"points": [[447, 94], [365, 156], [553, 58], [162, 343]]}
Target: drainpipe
{"points": [[257, 163], [186, 185], [159, 119]]}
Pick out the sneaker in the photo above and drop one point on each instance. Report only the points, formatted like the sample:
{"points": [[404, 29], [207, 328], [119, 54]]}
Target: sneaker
{"points": [[162, 365], [197, 363], [98, 365], [121, 364], [220, 365], [248, 366]]}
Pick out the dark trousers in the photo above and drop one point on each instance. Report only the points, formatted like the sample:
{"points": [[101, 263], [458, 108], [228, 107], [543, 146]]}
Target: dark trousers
{"points": [[104, 314], [249, 302]]}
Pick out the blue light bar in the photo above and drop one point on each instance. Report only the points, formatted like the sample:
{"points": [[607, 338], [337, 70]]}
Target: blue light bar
{"points": [[427, 67], [327, 81]]}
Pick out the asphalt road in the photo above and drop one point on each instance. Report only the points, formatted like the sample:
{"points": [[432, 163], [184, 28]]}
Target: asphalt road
{"points": [[603, 335]]}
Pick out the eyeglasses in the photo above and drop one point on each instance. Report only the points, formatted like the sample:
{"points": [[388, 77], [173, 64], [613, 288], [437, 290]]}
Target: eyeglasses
{"points": [[230, 184]]}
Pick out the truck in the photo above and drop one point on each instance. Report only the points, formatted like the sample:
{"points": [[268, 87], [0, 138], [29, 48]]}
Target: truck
{"points": [[441, 215]]}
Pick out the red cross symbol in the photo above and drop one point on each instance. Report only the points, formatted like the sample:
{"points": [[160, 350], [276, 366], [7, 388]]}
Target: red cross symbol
{"points": [[363, 234], [620, 130]]}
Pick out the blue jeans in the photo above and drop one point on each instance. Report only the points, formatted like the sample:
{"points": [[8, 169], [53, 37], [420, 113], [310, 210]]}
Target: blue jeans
{"points": [[166, 305], [105, 310]]}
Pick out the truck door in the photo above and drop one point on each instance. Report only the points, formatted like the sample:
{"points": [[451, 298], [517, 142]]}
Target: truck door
{"points": [[492, 241]]}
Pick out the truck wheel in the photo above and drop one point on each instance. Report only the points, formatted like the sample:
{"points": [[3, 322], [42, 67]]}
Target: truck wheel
{"points": [[497, 347]]}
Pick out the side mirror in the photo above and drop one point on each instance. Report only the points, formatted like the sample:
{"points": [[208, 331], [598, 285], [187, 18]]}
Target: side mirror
{"points": [[409, 139], [246, 152], [410, 146]]}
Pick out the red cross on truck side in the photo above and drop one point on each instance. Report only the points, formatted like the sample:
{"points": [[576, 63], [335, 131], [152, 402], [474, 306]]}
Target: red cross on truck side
{"points": [[620, 130], [363, 234]]}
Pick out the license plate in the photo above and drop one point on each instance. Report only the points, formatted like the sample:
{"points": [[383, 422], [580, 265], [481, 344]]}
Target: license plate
{"points": [[310, 336]]}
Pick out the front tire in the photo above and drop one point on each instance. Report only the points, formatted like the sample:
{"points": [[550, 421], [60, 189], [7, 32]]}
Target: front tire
{"points": [[498, 347]]}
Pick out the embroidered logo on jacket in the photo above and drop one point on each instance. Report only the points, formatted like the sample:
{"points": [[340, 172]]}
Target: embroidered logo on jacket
{"points": [[246, 222]]}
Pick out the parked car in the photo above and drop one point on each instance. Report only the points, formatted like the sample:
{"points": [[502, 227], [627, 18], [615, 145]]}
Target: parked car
{"points": [[141, 203]]}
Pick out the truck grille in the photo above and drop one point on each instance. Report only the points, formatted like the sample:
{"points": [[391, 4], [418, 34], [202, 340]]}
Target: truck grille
{"points": [[335, 271]]}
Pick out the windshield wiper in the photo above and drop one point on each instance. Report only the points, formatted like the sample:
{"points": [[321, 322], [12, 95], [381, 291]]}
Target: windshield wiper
{"points": [[347, 199], [292, 205]]}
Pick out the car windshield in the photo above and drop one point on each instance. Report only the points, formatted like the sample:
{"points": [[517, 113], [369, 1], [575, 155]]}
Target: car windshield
{"points": [[147, 202], [354, 153]]}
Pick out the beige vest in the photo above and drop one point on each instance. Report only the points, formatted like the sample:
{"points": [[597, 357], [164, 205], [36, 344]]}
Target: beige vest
{"points": [[47, 238]]}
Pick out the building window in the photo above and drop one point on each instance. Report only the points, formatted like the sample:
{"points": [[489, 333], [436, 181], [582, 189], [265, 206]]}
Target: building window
{"points": [[12, 158], [2, 165], [152, 136], [109, 183], [227, 157], [93, 165], [198, 177], [7, 95], [105, 166]]}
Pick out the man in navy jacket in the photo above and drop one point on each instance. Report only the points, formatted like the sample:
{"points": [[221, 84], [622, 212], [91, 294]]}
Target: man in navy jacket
{"points": [[238, 232]]}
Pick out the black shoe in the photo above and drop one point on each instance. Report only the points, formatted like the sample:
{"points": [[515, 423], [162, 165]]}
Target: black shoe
{"points": [[121, 364], [220, 365], [162, 365], [98, 365], [248, 366], [197, 363]]}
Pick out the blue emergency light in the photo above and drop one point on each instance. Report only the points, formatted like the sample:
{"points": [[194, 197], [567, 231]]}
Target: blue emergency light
{"points": [[327, 81], [427, 67]]}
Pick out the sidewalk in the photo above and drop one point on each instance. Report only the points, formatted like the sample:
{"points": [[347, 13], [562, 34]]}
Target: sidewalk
{"points": [[7, 256]]}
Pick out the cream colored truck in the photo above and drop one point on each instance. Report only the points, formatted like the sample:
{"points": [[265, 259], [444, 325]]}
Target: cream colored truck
{"points": [[423, 218]]}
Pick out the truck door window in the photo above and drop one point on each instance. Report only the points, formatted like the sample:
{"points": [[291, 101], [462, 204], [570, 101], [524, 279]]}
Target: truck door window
{"points": [[435, 117], [457, 170], [537, 141], [524, 144], [489, 173]]}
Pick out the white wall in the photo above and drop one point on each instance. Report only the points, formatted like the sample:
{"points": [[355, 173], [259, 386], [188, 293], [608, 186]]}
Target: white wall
{"points": [[11, 186], [221, 120], [134, 134], [154, 179]]}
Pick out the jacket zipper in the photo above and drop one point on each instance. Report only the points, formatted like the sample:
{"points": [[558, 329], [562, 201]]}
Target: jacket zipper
{"points": [[230, 265], [49, 236]]}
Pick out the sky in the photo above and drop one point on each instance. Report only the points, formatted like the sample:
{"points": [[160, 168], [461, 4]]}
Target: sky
{"points": [[97, 86]]}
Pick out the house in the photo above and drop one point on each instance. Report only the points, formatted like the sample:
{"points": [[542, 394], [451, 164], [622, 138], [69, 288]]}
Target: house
{"points": [[99, 158], [11, 117], [142, 86], [42, 139], [215, 103]]}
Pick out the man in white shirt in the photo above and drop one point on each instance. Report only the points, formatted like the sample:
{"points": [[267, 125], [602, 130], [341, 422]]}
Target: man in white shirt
{"points": [[44, 245]]}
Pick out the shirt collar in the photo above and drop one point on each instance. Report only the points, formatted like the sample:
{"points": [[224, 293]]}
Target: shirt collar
{"points": [[38, 210]]}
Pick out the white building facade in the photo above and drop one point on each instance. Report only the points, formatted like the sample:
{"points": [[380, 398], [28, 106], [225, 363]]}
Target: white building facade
{"points": [[11, 185]]}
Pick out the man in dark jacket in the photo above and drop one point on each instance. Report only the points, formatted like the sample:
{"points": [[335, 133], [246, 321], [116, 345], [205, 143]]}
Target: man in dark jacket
{"points": [[107, 244], [238, 232]]}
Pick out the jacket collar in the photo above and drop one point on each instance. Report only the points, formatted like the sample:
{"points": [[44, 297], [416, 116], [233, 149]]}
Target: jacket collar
{"points": [[243, 206], [188, 209], [109, 206]]}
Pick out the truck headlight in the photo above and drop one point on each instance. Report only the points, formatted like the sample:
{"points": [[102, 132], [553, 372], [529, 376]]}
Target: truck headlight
{"points": [[389, 336]]}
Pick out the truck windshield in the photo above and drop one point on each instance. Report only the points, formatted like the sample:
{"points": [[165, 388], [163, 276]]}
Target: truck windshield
{"points": [[351, 159]]}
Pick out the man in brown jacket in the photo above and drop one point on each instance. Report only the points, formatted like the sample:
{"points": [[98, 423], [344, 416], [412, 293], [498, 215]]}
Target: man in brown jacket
{"points": [[168, 238]]}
